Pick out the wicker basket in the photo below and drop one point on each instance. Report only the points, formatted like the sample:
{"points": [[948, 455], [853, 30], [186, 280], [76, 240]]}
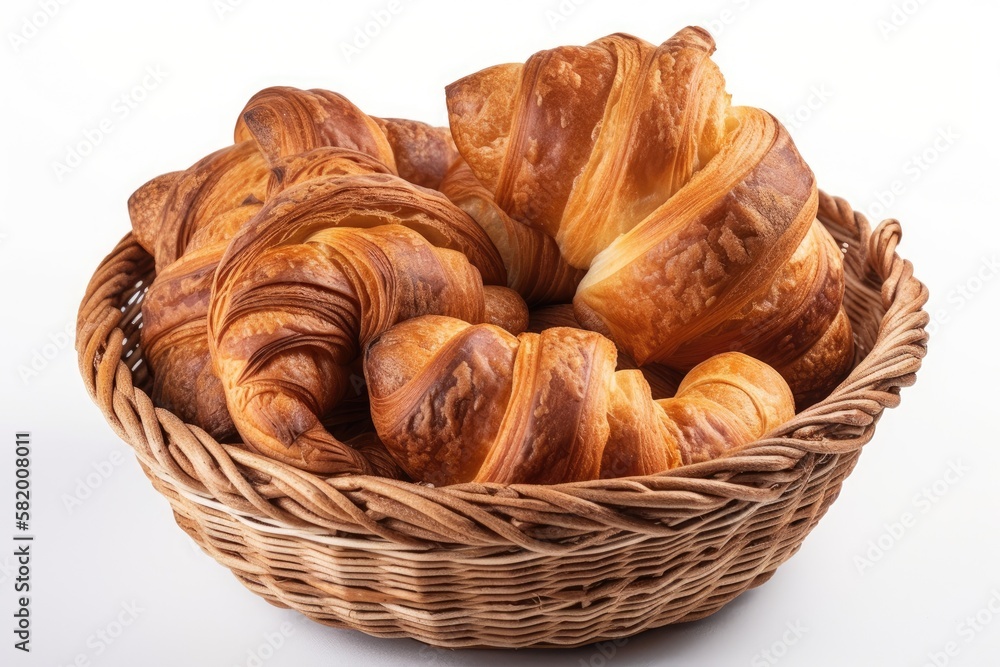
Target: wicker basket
{"points": [[520, 565]]}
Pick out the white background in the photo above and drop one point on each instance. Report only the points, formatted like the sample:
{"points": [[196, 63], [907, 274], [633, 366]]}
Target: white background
{"points": [[881, 93]]}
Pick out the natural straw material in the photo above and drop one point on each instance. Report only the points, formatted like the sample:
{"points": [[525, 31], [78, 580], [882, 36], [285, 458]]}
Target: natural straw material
{"points": [[521, 565]]}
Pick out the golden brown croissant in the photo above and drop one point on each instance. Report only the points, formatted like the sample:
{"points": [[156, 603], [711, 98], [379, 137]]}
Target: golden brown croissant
{"points": [[175, 308], [282, 258], [286, 121], [172, 210], [184, 210], [663, 380], [328, 264], [186, 219], [423, 153], [455, 402], [535, 269], [175, 342], [694, 220]]}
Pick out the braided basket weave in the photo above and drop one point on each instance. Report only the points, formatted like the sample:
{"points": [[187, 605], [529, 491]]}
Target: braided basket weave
{"points": [[521, 565]]}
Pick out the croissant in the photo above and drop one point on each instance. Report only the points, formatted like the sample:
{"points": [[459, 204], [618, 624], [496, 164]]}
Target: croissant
{"points": [[663, 380], [325, 266], [694, 220], [422, 153], [286, 121], [535, 268], [184, 210], [175, 308], [325, 242], [455, 402], [175, 342], [186, 220]]}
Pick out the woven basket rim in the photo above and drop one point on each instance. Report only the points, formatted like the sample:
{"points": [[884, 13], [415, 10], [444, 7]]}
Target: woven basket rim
{"points": [[247, 483]]}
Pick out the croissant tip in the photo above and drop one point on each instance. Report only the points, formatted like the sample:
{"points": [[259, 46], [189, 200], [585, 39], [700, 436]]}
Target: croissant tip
{"points": [[693, 34], [702, 31], [450, 90], [146, 204], [252, 118]]}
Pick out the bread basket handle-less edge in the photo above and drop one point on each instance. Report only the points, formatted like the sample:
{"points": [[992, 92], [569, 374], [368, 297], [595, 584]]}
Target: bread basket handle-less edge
{"points": [[518, 565]]}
